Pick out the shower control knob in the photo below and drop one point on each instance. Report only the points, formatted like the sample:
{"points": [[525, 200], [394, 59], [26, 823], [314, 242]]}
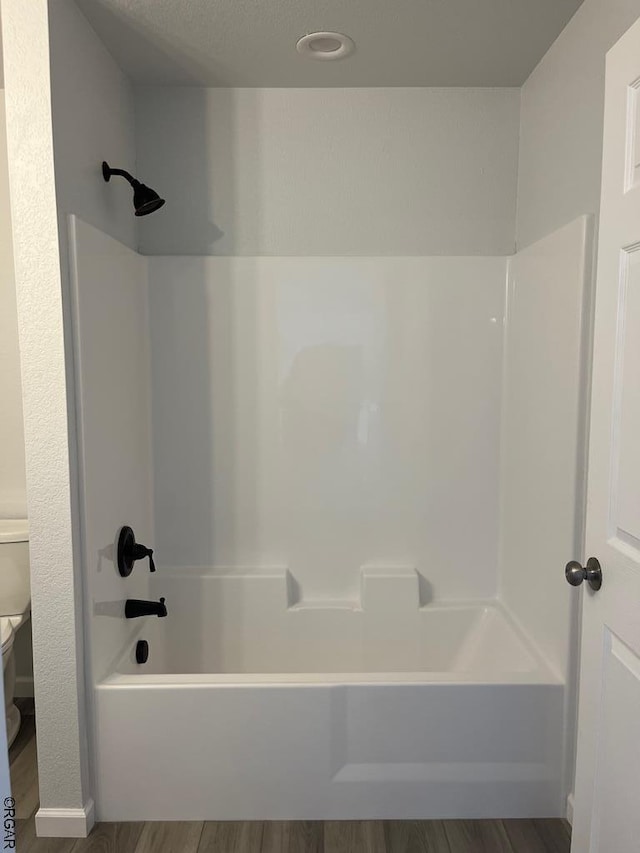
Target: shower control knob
{"points": [[576, 573], [128, 551]]}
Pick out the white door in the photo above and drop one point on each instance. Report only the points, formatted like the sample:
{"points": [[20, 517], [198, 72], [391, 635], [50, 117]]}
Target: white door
{"points": [[607, 801]]}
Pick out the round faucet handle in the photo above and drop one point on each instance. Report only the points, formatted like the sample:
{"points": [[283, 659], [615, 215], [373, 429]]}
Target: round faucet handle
{"points": [[128, 551]]}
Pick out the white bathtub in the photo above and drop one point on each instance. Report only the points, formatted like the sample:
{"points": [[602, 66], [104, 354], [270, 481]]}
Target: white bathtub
{"points": [[252, 706]]}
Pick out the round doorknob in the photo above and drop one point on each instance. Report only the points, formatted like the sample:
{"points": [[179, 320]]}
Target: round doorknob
{"points": [[575, 573]]}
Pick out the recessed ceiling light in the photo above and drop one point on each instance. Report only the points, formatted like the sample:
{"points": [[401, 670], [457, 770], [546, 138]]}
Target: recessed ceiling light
{"points": [[325, 46]]}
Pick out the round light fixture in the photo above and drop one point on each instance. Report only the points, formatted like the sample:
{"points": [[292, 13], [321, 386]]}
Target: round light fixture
{"points": [[325, 46]]}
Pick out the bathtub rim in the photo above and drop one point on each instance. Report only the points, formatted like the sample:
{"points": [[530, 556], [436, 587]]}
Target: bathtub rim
{"points": [[542, 673], [301, 679]]}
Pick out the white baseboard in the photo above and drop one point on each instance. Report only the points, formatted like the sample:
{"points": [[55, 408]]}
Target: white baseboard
{"points": [[570, 809], [24, 687], [65, 823]]}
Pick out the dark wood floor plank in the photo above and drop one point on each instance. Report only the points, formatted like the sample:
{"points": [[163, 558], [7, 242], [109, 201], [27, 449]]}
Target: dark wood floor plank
{"points": [[416, 836], [524, 837], [231, 837], [111, 838], [24, 781], [477, 836], [354, 836], [28, 842], [293, 837], [169, 837], [555, 835]]}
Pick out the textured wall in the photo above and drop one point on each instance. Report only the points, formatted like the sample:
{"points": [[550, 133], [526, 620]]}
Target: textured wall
{"points": [[57, 618], [13, 496], [329, 171], [562, 121], [13, 485]]}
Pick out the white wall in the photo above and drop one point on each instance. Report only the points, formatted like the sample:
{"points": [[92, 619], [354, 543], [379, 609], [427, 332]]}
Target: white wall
{"points": [[13, 483], [57, 619], [562, 121], [323, 414], [329, 171], [13, 489], [93, 120]]}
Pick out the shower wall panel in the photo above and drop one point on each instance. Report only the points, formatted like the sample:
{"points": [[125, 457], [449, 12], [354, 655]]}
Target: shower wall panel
{"points": [[326, 414], [111, 326], [543, 440], [544, 447]]}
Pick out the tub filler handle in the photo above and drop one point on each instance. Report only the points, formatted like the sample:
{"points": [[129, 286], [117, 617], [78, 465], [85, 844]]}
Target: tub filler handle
{"points": [[128, 551]]}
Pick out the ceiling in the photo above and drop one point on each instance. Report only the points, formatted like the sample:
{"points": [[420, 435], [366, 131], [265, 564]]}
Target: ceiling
{"points": [[398, 42]]}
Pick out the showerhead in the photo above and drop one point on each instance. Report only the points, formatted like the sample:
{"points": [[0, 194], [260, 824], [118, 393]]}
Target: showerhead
{"points": [[145, 200]]}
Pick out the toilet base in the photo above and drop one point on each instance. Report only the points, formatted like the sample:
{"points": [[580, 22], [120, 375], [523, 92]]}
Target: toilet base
{"points": [[12, 714], [13, 723]]}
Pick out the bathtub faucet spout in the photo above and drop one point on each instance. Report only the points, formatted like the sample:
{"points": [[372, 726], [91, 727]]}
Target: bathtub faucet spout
{"points": [[137, 607]]}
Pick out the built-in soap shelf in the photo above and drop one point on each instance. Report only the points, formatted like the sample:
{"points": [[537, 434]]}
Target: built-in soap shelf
{"points": [[381, 588], [257, 616], [327, 604]]}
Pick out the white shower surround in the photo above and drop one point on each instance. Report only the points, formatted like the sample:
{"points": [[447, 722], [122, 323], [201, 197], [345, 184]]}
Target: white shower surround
{"points": [[303, 416], [394, 684]]}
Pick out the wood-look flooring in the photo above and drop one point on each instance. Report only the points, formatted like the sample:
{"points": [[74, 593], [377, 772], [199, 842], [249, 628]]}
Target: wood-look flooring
{"points": [[387, 836]]}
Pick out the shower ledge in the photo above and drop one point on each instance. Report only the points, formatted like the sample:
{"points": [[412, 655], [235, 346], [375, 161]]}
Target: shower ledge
{"points": [[381, 588]]}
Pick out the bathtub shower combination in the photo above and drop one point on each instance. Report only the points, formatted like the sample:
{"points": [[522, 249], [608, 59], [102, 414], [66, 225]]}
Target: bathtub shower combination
{"points": [[358, 477]]}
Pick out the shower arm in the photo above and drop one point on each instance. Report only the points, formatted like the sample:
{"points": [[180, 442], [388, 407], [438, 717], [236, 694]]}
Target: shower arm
{"points": [[108, 171]]}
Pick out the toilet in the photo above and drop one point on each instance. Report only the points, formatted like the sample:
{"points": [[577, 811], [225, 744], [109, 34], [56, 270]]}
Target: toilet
{"points": [[15, 603]]}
